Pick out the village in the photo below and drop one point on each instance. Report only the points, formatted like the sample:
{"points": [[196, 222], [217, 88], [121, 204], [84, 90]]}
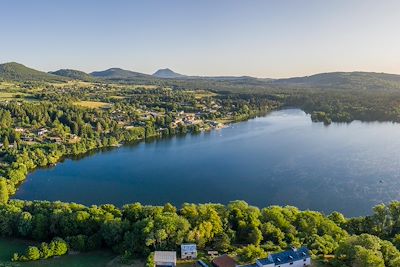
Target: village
{"points": [[190, 256], [48, 135]]}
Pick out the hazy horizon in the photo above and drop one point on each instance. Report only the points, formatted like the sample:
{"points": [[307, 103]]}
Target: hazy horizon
{"points": [[267, 39]]}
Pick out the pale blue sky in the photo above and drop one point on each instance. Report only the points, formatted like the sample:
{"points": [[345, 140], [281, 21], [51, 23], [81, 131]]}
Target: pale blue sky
{"points": [[209, 37]]}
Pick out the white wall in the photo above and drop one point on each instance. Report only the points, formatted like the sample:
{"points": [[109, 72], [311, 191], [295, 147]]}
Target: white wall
{"points": [[296, 263]]}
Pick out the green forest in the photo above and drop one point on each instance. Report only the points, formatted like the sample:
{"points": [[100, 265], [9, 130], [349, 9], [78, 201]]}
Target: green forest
{"points": [[237, 228]]}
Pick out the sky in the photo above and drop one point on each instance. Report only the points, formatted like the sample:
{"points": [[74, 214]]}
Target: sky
{"points": [[272, 39]]}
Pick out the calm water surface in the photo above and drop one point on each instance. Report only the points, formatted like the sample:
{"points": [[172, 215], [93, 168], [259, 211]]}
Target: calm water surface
{"points": [[282, 158]]}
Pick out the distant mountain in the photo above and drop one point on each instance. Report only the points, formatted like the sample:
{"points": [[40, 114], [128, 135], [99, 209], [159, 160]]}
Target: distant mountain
{"points": [[167, 73], [344, 80], [119, 74], [73, 74], [368, 81], [17, 72]]}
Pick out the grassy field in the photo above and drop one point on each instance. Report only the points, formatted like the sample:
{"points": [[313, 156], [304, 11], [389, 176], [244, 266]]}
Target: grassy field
{"points": [[10, 96], [80, 84], [144, 86], [117, 97], [202, 94], [92, 104], [7, 95], [225, 120], [89, 259], [186, 264], [9, 85]]}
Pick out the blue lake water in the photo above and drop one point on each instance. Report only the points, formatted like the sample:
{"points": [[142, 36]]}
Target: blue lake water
{"points": [[282, 158]]}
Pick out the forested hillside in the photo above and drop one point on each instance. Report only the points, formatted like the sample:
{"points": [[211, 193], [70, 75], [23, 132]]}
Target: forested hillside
{"points": [[17, 72], [73, 74], [119, 74], [369, 81]]}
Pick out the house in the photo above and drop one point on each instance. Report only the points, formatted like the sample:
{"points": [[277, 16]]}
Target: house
{"points": [[42, 131], [293, 258], [223, 261], [165, 258], [212, 253], [27, 138], [188, 251]]}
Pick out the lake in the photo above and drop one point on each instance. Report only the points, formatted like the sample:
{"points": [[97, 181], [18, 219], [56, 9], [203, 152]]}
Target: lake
{"points": [[282, 158]]}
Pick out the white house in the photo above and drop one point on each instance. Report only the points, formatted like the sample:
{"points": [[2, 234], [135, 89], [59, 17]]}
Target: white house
{"points": [[42, 131], [188, 251], [291, 258], [165, 258]]}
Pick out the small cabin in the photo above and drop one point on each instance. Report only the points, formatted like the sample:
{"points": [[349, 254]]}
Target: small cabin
{"points": [[212, 253], [42, 131], [188, 251]]}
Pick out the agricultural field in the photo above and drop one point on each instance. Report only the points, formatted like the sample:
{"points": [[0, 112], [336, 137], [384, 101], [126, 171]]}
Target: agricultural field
{"points": [[92, 104], [12, 96], [201, 94]]}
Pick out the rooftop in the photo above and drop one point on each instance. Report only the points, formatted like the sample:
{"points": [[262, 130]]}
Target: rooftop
{"points": [[286, 256], [188, 248], [224, 261], [165, 256]]}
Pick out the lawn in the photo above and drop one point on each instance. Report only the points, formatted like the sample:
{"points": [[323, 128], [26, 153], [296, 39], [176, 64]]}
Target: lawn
{"points": [[9, 85], [117, 97], [89, 259], [201, 94], [92, 104], [186, 264], [8, 96], [225, 120], [149, 87]]}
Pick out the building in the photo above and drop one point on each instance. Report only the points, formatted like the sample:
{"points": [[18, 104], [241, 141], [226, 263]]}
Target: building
{"points": [[165, 258], [27, 138], [224, 261], [188, 251], [293, 258], [42, 131], [212, 253]]}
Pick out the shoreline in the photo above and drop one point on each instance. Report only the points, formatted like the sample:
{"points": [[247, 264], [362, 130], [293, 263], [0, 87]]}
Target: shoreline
{"points": [[158, 136]]}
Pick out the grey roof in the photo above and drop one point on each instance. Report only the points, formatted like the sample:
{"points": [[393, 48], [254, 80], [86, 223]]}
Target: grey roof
{"points": [[266, 261], [286, 256], [165, 256], [188, 248]]}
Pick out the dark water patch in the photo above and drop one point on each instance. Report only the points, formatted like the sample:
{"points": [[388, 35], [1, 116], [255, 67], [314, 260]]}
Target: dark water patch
{"points": [[282, 158]]}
